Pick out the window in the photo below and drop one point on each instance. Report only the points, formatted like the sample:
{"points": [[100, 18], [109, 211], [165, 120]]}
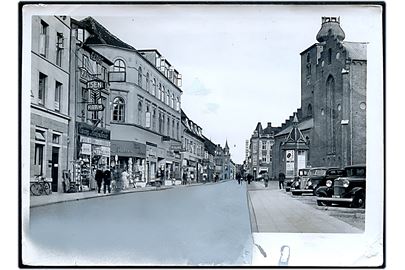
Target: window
{"points": [[172, 101], [154, 119], [331, 115], [309, 110], [39, 157], [140, 77], [58, 93], [162, 94], [160, 123], [43, 39], [55, 138], [119, 66], [173, 128], [178, 130], [329, 56], [147, 82], [159, 91], [118, 73], [264, 145], [42, 88], [85, 98], [59, 49], [139, 113], [118, 109], [168, 127], [167, 98], [178, 104], [154, 87]]}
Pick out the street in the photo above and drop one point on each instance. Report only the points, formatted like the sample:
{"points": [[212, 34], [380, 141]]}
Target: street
{"points": [[207, 224], [192, 225]]}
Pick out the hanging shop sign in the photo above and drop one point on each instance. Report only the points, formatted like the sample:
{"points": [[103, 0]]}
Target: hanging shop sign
{"points": [[95, 107], [94, 132], [101, 151], [89, 140], [85, 149], [95, 84], [176, 147]]}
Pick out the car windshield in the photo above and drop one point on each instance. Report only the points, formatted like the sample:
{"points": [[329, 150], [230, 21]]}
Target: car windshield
{"points": [[356, 172], [317, 172], [303, 172]]}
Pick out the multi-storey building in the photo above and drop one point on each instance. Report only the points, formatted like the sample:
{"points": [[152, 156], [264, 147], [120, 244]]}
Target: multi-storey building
{"points": [[222, 160], [49, 98], [193, 152], [208, 162], [90, 110], [261, 149], [145, 97]]}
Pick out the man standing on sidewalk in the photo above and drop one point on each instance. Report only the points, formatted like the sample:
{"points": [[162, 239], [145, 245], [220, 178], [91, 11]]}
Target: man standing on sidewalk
{"points": [[99, 178], [281, 178], [107, 181]]}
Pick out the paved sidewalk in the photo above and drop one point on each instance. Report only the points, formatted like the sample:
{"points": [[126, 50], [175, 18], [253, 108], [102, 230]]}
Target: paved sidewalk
{"points": [[57, 197], [275, 211]]}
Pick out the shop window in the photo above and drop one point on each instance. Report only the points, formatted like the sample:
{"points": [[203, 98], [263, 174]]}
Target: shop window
{"points": [[118, 109], [39, 157], [42, 88]]}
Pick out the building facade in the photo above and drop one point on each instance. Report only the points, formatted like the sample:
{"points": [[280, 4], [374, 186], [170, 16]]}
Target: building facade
{"points": [[89, 103], [261, 150], [145, 116], [50, 99], [193, 149]]}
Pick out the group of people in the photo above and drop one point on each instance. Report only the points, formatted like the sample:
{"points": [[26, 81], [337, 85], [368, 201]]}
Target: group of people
{"points": [[266, 179], [103, 177]]}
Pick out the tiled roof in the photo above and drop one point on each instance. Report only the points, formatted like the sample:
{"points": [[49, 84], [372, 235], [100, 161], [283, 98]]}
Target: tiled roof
{"points": [[100, 35]]}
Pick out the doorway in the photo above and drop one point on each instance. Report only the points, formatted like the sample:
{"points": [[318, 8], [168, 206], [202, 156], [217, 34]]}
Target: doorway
{"points": [[55, 168]]}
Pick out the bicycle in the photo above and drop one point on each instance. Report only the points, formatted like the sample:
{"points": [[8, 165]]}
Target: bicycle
{"points": [[40, 187]]}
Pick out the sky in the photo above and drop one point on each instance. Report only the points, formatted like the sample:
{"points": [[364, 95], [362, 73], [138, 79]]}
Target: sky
{"points": [[240, 63]]}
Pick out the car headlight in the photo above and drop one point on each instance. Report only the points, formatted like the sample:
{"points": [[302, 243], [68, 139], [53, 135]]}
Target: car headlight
{"points": [[329, 183], [346, 183], [297, 183], [309, 183]]}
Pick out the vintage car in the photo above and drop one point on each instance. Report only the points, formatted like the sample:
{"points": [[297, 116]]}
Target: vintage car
{"points": [[349, 189], [299, 181], [316, 178]]}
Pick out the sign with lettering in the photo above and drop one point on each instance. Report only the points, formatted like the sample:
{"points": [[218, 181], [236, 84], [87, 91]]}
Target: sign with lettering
{"points": [[94, 132], [95, 84], [86, 75], [95, 107], [86, 149], [128, 149]]}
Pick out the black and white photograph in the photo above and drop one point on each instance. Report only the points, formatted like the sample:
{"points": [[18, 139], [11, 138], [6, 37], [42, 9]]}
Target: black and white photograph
{"points": [[202, 134]]}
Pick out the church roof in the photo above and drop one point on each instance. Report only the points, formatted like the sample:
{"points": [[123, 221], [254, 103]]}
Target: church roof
{"points": [[304, 125], [356, 50]]}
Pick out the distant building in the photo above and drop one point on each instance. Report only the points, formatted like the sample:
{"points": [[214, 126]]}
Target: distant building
{"points": [[261, 150], [49, 127], [193, 152]]}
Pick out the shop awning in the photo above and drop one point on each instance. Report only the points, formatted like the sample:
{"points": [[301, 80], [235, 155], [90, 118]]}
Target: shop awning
{"points": [[128, 149]]}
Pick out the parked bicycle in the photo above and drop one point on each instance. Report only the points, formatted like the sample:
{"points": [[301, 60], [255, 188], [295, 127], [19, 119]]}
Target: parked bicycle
{"points": [[40, 187]]}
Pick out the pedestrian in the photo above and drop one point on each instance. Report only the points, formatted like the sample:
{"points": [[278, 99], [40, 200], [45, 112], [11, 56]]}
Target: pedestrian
{"points": [[238, 178], [99, 179], [125, 179], [281, 178], [266, 180], [249, 178], [184, 178], [107, 181]]}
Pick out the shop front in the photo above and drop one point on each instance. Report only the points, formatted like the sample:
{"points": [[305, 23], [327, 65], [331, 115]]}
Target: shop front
{"points": [[129, 156], [93, 152]]}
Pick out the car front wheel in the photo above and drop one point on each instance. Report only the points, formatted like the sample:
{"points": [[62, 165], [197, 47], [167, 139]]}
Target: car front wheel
{"points": [[322, 203], [359, 200]]}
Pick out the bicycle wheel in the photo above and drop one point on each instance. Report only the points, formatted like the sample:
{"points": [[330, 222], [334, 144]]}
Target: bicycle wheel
{"points": [[46, 188], [35, 189]]}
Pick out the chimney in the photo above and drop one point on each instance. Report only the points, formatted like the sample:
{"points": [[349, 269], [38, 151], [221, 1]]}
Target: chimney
{"points": [[269, 124]]}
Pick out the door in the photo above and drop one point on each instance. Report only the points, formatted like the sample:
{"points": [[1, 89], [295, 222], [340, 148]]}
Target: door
{"points": [[55, 168]]}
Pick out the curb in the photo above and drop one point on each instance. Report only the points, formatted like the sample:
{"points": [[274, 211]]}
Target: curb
{"points": [[122, 193]]}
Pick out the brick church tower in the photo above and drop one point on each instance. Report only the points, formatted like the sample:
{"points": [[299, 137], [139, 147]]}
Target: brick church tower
{"points": [[333, 93]]}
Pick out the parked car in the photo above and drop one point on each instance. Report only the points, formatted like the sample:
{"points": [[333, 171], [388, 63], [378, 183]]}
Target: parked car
{"points": [[316, 177], [349, 189], [299, 181]]}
